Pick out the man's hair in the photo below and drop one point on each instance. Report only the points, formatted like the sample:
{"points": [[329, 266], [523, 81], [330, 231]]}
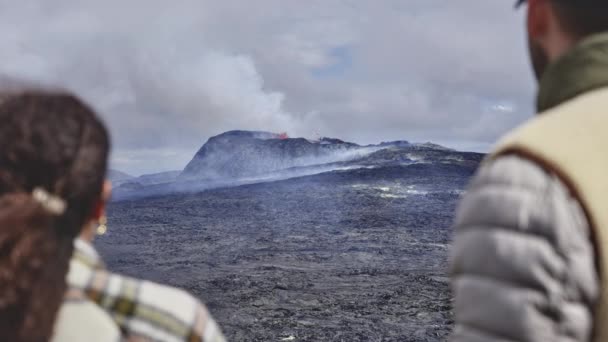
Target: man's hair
{"points": [[582, 18]]}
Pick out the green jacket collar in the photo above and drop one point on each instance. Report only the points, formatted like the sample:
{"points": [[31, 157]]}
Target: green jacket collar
{"points": [[583, 69]]}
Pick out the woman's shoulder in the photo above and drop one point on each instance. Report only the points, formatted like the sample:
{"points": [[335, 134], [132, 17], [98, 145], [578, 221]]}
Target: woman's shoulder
{"points": [[79, 319], [161, 312], [146, 309]]}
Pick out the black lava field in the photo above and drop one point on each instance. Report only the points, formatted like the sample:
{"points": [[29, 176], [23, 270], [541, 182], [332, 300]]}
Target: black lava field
{"points": [[358, 254]]}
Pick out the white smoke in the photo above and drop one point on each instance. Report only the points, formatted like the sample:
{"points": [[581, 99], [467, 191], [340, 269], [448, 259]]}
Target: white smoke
{"points": [[167, 75], [145, 66]]}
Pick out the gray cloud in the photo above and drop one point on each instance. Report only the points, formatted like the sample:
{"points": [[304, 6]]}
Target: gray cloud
{"points": [[166, 75]]}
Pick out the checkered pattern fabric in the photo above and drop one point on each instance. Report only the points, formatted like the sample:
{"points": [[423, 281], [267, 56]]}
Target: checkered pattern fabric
{"points": [[79, 319], [143, 310]]}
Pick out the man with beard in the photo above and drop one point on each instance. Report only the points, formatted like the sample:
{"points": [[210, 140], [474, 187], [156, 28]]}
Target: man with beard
{"points": [[530, 256]]}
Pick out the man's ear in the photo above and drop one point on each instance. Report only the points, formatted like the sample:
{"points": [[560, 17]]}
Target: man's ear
{"points": [[100, 207], [539, 19]]}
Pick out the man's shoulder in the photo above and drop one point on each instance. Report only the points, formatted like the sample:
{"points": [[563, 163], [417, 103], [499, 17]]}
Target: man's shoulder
{"points": [[514, 193], [513, 170]]}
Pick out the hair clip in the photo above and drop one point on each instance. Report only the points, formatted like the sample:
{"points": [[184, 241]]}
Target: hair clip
{"points": [[49, 202]]}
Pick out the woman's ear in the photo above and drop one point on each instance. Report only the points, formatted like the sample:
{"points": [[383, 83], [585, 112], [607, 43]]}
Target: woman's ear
{"points": [[99, 211], [100, 207], [106, 192]]}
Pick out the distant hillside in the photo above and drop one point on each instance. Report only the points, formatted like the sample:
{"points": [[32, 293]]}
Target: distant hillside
{"points": [[243, 157], [146, 180], [118, 176], [238, 154], [158, 178]]}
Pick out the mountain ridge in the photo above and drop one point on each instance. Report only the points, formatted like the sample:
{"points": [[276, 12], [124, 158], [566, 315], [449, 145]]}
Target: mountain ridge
{"points": [[236, 154], [235, 158]]}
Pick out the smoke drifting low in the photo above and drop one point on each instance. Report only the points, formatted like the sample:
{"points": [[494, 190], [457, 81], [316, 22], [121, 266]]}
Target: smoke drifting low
{"points": [[146, 67]]}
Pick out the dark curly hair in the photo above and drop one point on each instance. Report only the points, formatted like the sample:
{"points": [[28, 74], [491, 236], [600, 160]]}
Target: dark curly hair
{"points": [[55, 142]]}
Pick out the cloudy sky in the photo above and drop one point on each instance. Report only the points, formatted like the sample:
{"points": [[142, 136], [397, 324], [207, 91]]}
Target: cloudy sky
{"points": [[168, 74]]}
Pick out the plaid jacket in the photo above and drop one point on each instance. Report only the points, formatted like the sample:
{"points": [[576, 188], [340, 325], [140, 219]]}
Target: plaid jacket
{"points": [[143, 310], [79, 319]]}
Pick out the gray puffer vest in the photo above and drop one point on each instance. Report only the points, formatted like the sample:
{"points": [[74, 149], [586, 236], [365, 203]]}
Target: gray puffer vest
{"points": [[524, 264]]}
